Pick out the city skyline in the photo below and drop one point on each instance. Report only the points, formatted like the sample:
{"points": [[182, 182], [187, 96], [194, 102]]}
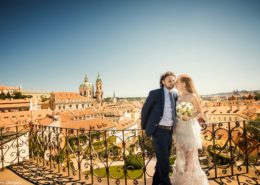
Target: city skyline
{"points": [[51, 45]]}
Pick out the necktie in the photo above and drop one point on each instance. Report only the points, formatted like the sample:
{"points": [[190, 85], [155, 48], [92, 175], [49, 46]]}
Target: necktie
{"points": [[172, 106]]}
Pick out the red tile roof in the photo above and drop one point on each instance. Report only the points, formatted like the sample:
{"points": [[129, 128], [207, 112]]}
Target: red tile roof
{"points": [[59, 96], [94, 124]]}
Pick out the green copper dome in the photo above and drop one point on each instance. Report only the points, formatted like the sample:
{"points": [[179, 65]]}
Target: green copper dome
{"points": [[86, 83]]}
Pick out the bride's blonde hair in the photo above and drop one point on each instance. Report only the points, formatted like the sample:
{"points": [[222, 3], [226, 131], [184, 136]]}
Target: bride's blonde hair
{"points": [[187, 80]]}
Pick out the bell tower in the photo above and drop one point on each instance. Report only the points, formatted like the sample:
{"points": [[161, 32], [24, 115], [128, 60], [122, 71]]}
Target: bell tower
{"points": [[99, 89]]}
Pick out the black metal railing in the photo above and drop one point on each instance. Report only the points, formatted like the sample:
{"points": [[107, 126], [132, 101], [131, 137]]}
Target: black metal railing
{"points": [[53, 155]]}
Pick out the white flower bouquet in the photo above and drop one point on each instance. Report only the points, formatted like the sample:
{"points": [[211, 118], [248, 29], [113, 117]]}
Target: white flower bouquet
{"points": [[185, 111]]}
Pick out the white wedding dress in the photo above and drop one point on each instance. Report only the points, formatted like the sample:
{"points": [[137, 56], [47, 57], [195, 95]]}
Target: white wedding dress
{"points": [[186, 168]]}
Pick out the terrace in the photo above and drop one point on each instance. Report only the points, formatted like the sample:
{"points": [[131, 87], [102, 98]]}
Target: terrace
{"points": [[36, 154]]}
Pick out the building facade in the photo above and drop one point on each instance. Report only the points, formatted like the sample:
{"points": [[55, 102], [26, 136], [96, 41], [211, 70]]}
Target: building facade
{"points": [[9, 89], [62, 101]]}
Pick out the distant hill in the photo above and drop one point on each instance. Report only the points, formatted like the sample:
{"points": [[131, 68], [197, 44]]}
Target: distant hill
{"points": [[230, 93]]}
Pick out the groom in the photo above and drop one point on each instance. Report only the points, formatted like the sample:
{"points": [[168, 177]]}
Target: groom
{"points": [[158, 117]]}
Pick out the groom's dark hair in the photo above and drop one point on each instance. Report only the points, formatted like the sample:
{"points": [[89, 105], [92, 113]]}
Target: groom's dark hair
{"points": [[164, 75]]}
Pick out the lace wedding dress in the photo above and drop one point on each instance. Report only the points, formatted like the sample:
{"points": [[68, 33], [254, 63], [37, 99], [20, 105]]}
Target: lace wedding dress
{"points": [[186, 168]]}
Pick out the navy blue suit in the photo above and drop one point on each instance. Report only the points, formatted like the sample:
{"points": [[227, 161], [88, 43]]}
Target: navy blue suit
{"points": [[151, 115]]}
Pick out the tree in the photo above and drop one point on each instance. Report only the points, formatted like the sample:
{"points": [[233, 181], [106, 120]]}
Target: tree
{"points": [[8, 96], [254, 129], [18, 95], [257, 96], [2, 96], [44, 98], [28, 96], [108, 99]]}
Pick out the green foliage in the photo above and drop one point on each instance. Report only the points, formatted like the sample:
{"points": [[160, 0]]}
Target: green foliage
{"points": [[254, 129], [8, 96], [36, 149], [220, 157], [130, 98], [134, 162], [115, 150], [60, 156], [16, 95], [117, 172], [108, 99], [257, 96], [44, 98], [2, 96]]}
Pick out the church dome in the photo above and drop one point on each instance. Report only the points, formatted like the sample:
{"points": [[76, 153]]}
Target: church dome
{"points": [[86, 83]]}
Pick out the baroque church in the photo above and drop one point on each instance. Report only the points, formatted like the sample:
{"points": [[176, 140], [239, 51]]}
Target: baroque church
{"points": [[87, 89], [87, 97]]}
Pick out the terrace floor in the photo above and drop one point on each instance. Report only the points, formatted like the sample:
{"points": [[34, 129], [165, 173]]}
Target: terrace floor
{"points": [[21, 175]]}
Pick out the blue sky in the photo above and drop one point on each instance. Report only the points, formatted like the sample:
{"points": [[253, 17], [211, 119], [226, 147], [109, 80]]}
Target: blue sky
{"points": [[51, 45]]}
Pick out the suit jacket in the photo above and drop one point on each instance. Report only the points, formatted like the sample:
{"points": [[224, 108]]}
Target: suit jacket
{"points": [[152, 111]]}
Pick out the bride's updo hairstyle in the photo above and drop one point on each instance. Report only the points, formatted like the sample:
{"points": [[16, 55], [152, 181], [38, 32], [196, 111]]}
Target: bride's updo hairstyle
{"points": [[189, 85]]}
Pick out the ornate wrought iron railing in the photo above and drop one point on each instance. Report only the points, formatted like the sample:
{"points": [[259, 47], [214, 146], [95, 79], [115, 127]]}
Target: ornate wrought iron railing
{"points": [[53, 155]]}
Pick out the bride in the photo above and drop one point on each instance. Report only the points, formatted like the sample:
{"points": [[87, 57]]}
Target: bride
{"points": [[187, 138]]}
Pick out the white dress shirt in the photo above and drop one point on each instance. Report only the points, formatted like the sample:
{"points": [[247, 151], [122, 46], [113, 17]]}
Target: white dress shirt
{"points": [[167, 111]]}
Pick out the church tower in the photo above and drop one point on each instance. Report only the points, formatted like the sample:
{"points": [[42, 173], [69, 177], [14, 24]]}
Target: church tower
{"points": [[86, 88], [114, 98], [99, 89]]}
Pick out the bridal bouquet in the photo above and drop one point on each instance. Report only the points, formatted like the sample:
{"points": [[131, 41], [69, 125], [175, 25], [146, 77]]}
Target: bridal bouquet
{"points": [[185, 110]]}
